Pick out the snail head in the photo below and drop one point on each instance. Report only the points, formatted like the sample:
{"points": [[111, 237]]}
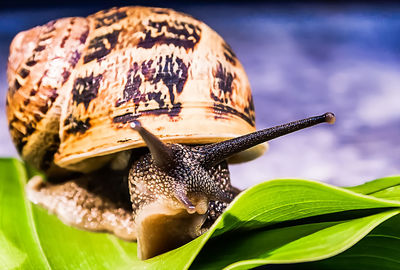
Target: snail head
{"points": [[172, 186]]}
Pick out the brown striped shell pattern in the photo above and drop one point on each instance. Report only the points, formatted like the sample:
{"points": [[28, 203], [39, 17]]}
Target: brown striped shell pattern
{"points": [[77, 83], [132, 113]]}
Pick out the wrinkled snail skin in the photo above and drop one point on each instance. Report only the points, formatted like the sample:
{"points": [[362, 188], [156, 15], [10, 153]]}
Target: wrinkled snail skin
{"points": [[133, 114]]}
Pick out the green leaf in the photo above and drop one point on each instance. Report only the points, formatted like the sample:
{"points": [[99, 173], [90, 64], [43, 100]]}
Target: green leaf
{"points": [[294, 244], [289, 220], [41, 241], [385, 188], [10, 256], [380, 249], [16, 221]]}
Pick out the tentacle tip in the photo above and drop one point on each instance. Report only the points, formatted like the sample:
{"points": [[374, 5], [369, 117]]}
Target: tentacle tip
{"points": [[330, 118], [136, 125], [191, 209], [181, 196]]}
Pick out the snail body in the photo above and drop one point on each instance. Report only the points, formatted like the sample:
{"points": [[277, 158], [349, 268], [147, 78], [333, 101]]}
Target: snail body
{"points": [[132, 113]]}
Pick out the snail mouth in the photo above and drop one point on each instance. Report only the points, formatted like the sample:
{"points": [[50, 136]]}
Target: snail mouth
{"points": [[163, 226]]}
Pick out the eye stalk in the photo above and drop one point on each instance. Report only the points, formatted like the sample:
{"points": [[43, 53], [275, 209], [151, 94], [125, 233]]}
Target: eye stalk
{"points": [[212, 154], [215, 153], [161, 153], [188, 166]]}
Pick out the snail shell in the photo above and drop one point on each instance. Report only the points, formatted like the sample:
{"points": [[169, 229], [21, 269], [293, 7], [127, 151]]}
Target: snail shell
{"points": [[76, 84]]}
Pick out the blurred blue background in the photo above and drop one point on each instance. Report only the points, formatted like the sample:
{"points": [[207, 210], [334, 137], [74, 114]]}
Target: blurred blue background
{"points": [[302, 60]]}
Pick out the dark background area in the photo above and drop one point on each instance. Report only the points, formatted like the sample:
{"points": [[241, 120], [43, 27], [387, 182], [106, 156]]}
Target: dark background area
{"points": [[302, 59]]}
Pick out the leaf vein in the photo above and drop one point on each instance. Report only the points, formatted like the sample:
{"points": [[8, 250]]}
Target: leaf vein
{"points": [[30, 217]]}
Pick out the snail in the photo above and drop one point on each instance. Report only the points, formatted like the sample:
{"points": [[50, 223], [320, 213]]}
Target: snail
{"points": [[133, 114]]}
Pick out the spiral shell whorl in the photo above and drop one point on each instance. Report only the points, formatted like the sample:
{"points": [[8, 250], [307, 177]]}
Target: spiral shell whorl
{"points": [[40, 64], [78, 83]]}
